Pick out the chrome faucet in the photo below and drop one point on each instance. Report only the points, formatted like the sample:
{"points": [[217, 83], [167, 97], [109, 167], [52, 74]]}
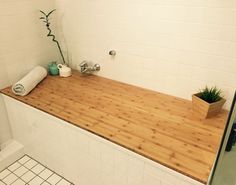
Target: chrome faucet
{"points": [[87, 67]]}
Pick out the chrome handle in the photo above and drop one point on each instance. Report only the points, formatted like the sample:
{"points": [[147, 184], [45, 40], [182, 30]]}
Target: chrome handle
{"points": [[96, 67], [112, 53]]}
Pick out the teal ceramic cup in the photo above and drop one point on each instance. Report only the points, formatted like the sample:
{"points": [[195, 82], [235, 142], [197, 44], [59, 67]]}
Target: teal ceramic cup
{"points": [[52, 69]]}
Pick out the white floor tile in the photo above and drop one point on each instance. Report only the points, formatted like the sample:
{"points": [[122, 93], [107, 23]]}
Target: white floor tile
{"points": [[27, 171], [45, 174], [38, 168], [28, 176], [30, 164], [18, 182], [4, 173], [63, 182], [54, 179], [10, 179], [21, 171], [36, 181], [24, 159], [14, 166]]}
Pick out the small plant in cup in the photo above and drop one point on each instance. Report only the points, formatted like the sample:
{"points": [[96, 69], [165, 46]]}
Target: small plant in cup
{"points": [[210, 95], [208, 102]]}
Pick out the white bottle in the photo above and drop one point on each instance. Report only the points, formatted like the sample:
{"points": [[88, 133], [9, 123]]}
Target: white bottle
{"points": [[64, 71]]}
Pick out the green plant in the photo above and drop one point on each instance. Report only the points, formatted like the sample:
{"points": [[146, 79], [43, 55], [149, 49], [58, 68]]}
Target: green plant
{"points": [[210, 95], [45, 19]]}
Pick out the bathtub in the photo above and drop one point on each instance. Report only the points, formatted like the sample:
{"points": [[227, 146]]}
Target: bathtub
{"points": [[81, 156]]}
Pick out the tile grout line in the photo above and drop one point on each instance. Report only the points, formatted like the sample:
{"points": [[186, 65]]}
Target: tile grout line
{"points": [[51, 171], [19, 177], [30, 170], [3, 182], [13, 163], [7, 168], [48, 178]]}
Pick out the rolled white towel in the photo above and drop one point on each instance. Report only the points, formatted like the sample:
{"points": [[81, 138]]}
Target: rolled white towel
{"points": [[30, 81]]}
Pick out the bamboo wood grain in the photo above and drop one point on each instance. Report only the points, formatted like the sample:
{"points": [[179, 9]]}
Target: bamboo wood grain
{"points": [[160, 127]]}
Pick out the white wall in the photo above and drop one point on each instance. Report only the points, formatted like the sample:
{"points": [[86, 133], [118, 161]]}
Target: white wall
{"points": [[23, 44], [175, 47]]}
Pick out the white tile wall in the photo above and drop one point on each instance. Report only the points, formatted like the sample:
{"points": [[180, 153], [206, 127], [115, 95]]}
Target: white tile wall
{"points": [[23, 44], [175, 47], [86, 158]]}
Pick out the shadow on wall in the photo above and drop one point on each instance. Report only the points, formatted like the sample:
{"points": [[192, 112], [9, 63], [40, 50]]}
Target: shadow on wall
{"points": [[5, 131], [23, 45]]}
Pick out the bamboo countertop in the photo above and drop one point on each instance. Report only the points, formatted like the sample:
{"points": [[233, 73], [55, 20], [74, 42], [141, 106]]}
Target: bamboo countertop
{"points": [[157, 126]]}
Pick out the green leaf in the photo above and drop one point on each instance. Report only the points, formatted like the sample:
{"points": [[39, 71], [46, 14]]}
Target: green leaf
{"points": [[50, 12], [210, 95], [43, 12]]}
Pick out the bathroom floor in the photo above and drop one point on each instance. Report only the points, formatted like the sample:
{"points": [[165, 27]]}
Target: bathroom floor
{"points": [[227, 174], [27, 171]]}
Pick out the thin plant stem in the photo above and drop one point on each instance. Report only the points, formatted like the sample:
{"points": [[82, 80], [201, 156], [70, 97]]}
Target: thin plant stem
{"points": [[45, 19]]}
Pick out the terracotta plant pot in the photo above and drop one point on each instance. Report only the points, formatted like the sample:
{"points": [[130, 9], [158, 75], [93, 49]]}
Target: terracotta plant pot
{"points": [[204, 109]]}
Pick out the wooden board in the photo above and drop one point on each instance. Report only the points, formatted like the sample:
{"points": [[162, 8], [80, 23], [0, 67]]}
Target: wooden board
{"points": [[157, 126]]}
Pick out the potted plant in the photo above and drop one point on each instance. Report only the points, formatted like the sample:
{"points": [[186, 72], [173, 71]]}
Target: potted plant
{"points": [[208, 102]]}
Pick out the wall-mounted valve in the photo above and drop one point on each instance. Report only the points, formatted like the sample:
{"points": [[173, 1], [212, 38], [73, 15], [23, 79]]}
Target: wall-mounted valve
{"points": [[87, 67], [112, 53]]}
